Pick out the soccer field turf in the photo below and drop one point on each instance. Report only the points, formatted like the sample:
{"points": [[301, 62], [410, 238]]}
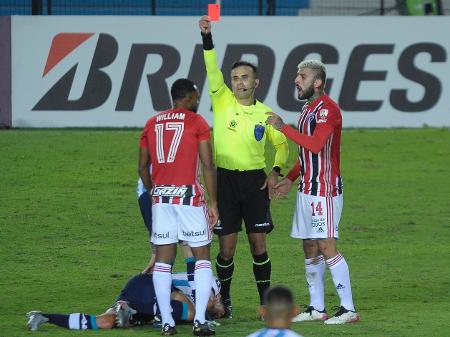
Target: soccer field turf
{"points": [[71, 233]]}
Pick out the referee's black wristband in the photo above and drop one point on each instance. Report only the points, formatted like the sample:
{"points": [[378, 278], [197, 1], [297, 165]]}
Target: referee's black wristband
{"points": [[278, 170], [207, 41]]}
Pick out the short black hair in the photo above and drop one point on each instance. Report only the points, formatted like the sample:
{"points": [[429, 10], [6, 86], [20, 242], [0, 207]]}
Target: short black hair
{"points": [[246, 63], [279, 294], [182, 88]]}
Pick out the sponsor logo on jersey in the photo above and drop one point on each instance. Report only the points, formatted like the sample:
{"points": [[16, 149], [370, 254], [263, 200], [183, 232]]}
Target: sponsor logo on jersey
{"points": [[318, 222], [320, 230], [169, 191], [161, 235], [193, 233]]}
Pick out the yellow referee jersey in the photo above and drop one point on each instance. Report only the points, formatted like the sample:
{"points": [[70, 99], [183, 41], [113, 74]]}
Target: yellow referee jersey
{"points": [[240, 131]]}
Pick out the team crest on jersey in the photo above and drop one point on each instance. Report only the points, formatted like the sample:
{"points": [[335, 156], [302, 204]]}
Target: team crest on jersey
{"points": [[323, 114], [259, 132]]}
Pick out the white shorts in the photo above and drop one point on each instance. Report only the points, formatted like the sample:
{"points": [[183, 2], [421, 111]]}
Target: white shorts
{"points": [[317, 217], [171, 223]]}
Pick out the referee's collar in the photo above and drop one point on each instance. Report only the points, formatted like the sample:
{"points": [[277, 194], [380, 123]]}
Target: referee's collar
{"points": [[249, 112]]}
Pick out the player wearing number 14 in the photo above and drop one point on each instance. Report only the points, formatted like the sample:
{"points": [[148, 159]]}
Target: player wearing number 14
{"points": [[319, 197], [177, 141]]}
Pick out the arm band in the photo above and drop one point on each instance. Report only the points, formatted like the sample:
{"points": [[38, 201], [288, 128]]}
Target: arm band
{"points": [[207, 41]]}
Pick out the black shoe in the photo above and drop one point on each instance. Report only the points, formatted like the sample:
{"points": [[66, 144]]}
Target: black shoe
{"points": [[228, 308], [202, 329], [168, 330]]}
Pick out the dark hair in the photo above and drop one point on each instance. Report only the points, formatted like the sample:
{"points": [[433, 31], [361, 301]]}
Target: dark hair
{"points": [[181, 88], [245, 63], [279, 295]]}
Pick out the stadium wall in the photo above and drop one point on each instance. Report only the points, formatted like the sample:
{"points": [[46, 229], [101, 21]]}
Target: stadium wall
{"points": [[79, 71], [5, 72]]}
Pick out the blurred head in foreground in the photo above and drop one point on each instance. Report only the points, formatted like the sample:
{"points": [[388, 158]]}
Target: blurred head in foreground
{"points": [[280, 308]]}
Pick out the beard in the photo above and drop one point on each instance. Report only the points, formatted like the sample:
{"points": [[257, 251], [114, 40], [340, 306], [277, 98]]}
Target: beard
{"points": [[306, 93]]}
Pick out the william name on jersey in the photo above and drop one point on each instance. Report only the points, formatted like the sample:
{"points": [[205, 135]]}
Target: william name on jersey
{"points": [[170, 115]]}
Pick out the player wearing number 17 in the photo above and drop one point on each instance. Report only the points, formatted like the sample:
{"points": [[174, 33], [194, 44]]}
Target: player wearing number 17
{"points": [[319, 197], [177, 141]]}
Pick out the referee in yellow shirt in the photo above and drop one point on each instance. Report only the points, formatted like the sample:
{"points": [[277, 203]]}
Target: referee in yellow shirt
{"points": [[243, 189]]}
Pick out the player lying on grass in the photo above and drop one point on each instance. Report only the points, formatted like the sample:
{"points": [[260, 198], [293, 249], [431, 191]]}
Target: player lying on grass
{"points": [[136, 305]]}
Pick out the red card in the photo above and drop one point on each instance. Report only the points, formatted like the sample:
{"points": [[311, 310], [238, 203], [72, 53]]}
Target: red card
{"points": [[214, 12]]}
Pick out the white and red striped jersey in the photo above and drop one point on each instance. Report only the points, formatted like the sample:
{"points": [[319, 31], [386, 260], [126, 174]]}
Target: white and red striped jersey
{"points": [[172, 138], [320, 173]]}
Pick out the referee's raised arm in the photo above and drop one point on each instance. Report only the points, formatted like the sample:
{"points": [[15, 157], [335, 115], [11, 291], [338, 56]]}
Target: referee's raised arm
{"points": [[243, 188], [215, 76]]}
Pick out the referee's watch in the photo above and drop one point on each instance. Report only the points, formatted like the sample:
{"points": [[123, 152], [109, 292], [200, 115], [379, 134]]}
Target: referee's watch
{"points": [[277, 169]]}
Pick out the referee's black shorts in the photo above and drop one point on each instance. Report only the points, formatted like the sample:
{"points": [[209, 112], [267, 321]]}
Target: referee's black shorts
{"points": [[239, 197]]}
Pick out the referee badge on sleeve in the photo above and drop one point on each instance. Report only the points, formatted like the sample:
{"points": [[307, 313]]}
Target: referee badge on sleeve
{"points": [[258, 132]]}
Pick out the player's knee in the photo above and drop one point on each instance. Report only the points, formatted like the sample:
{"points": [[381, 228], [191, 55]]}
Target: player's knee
{"points": [[257, 243], [227, 253], [327, 248], [310, 247], [258, 248]]}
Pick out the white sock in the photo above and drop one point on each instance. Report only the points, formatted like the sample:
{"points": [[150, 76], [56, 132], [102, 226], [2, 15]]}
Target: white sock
{"points": [[315, 276], [341, 279], [203, 280], [162, 280]]}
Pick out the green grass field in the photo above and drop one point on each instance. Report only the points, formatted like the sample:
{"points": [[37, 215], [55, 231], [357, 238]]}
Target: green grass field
{"points": [[71, 233]]}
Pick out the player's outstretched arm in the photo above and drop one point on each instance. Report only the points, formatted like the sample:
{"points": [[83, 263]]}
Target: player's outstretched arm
{"points": [[314, 143], [210, 176]]}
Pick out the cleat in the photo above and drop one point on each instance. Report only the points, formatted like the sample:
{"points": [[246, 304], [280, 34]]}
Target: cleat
{"points": [[311, 314], [343, 316], [123, 313], [228, 308], [157, 323], [202, 329], [168, 330], [35, 319], [212, 322]]}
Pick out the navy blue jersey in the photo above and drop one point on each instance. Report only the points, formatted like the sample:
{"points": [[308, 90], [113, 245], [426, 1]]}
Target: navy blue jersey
{"points": [[139, 292]]}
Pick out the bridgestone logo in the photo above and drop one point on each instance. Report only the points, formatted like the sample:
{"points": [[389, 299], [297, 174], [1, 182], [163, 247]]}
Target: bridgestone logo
{"points": [[169, 191]]}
